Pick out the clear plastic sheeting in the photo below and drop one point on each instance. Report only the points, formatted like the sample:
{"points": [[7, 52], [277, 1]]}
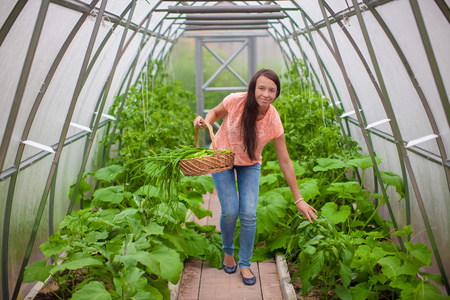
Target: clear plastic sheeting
{"points": [[384, 64]]}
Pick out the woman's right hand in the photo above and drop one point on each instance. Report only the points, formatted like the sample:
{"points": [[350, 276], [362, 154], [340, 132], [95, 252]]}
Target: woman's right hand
{"points": [[199, 123]]}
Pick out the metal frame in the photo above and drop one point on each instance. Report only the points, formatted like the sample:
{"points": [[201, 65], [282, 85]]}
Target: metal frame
{"points": [[223, 9], [241, 16], [400, 146], [202, 86]]}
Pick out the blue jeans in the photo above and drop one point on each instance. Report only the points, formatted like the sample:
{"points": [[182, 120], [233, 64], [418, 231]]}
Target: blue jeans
{"points": [[242, 204]]}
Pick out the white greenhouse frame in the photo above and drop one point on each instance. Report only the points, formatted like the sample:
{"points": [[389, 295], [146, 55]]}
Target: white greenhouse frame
{"points": [[385, 63]]}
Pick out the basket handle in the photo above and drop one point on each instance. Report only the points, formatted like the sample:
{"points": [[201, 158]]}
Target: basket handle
{"points": [[213, 138]]}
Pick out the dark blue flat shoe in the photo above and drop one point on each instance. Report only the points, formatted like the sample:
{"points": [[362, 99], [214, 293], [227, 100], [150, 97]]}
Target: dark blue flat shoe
{"points": [[230, 270], [249, 281]]}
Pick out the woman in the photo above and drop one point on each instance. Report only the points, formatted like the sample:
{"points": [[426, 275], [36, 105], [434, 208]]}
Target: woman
{"points": [[251, 121]]}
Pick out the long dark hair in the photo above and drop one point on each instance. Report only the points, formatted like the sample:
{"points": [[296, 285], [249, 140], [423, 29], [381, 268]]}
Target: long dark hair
{"points": [[250, 113]]}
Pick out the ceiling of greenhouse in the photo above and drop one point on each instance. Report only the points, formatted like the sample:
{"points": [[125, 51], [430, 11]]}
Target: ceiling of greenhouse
{"points": [[169, 19]]}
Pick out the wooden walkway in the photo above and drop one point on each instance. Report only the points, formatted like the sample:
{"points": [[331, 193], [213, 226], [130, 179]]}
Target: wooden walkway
{"points": [[200, 281]]}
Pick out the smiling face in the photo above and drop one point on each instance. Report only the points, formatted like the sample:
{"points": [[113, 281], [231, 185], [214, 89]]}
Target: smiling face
{"points": [[265, 92]]}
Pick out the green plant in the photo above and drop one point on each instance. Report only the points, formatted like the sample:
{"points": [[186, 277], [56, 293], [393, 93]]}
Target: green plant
{"points": [[132, 244], [133, 232], [323, 252]]}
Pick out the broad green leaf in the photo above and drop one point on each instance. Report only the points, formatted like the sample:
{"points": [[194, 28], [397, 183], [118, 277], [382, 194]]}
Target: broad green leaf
{"points": [[175, 241], [325, 164], [316, 239], [364, 162], [133, 275], [37, 271], [377, 253], [392, 179], [193, 198], [98, 223], [83, 188], [309, 189], [299, 170], [195, 243], [379, 278], [343, 293], [422, 290], [310, 249], [335, 216], [435, 277], [152, 295], [148, 190], [179, 210], [346, 255], [201, 212], [272, 165], [114, 172], [390, 266], [345, 189], [279, 242], [422, 253], [129, 212], [55, 245], [261, 254], [108, 214], [360, 291], [346, 273], [214, 251], [408, 269], [77, 264], [405, 231], [268, 179], [162, 261], [202, 184], [162, 287], [316, 265], [270, 208], [113, 194], [208, 229], [154, 229], [94, 290], [390, 248], [401, 282]]}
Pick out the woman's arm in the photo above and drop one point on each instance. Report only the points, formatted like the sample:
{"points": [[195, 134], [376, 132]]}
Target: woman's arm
{"points": [[289, 173], [212, 116]]}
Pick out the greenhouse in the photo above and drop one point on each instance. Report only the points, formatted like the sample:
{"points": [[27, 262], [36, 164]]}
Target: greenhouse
{"points": [[97, 124]]}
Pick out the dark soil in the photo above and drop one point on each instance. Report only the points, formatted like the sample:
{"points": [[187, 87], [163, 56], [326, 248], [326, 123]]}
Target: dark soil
{"points": [[49, 294]]}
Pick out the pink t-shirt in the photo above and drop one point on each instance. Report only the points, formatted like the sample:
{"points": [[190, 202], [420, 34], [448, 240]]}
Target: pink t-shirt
{"points": [[230, 135]]}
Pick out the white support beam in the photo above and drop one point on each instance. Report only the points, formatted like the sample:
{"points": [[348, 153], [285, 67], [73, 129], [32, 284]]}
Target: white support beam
{"points": [[39, 146], [85, 128], [374, 124], [106, 116], [421, 140], [348, 114]]}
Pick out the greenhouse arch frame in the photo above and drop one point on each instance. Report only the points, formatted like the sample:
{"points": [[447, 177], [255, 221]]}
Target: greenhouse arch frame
{"points": [[383, 65]]}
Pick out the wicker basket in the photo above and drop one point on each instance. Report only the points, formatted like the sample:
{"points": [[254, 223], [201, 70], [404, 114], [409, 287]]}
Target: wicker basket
{"points": [[208, 164]]}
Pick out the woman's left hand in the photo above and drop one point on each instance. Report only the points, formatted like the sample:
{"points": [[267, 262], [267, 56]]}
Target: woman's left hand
{"points": [[306, 210]]}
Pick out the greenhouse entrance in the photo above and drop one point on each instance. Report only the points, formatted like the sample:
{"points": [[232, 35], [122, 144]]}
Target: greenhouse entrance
{"points": [[103, 193]]}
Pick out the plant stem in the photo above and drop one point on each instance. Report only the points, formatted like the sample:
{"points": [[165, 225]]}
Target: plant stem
{"points": [[372, 215], [340, 175]]}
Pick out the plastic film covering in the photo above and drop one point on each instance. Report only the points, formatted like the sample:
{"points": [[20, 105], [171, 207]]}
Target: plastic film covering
{"points": [[383, 63]]}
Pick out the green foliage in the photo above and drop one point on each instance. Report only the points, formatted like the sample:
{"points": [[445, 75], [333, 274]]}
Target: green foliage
{"points": [[324, 253], [347, 253], [309, 124], [152, 119], [129, 241], [133, 232]]}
